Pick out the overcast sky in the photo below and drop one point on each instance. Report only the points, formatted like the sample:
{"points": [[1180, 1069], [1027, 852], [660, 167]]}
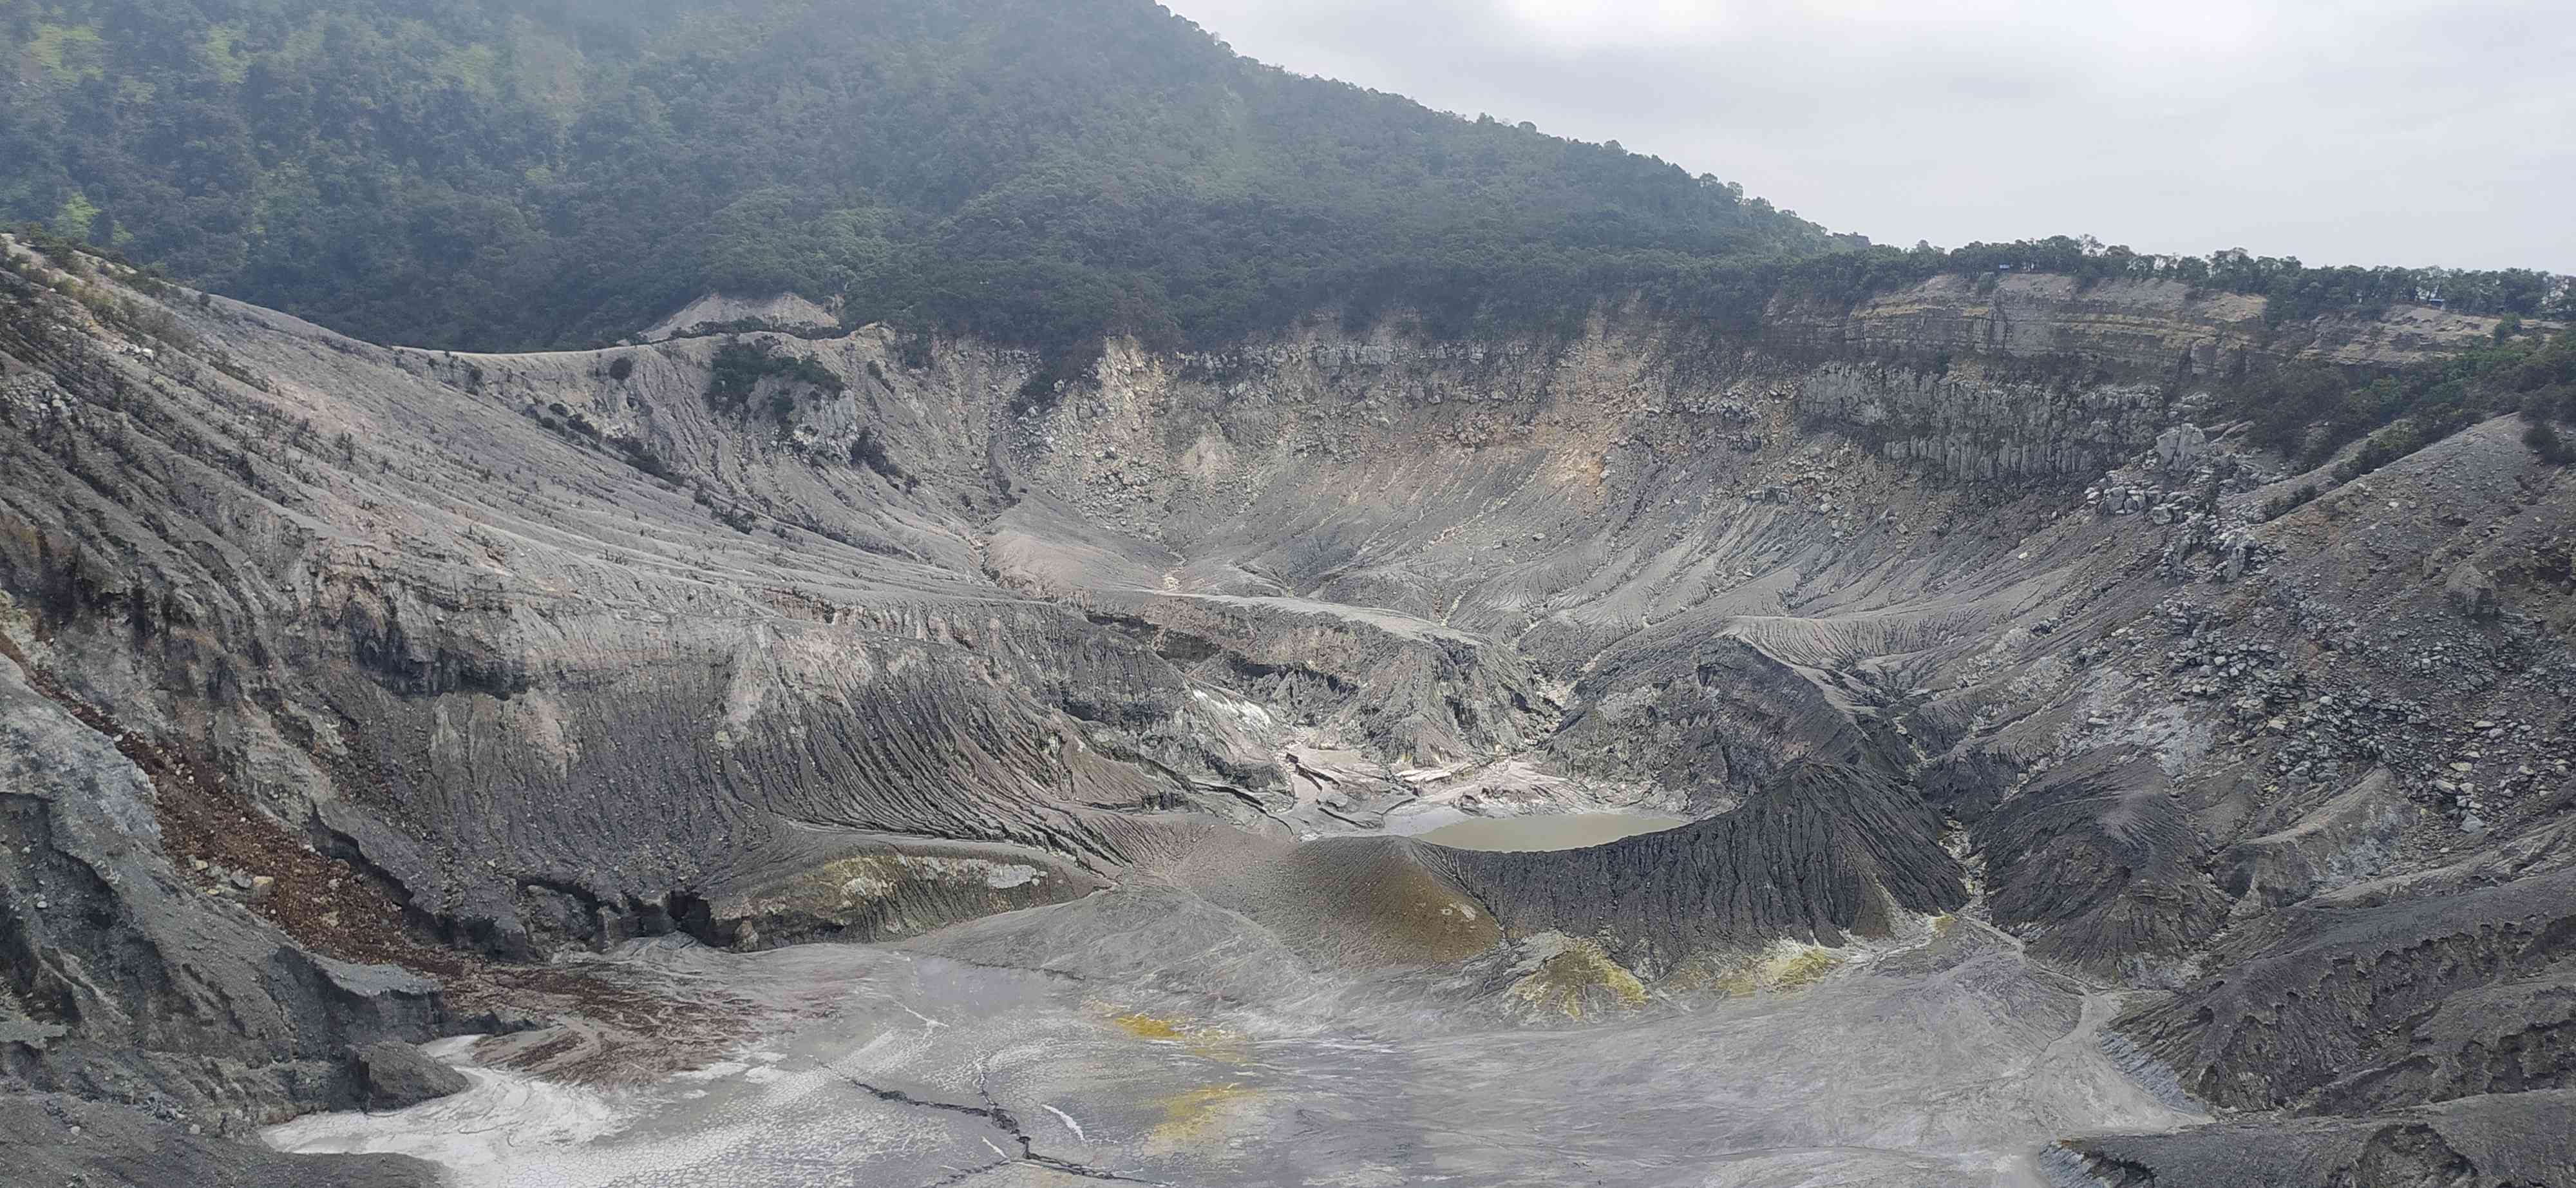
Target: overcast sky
{"points": [[2407, 132]]}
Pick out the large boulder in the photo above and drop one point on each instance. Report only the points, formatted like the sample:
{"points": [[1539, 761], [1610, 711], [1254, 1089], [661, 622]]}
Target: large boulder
{"points": [[393, 1075], [2181, 448], [2472, 592]]}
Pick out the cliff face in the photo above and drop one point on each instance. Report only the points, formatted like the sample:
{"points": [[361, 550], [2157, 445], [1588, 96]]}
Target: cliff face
{"points": [[1981, 426], [2153, 325], [2157, 327], [129, 983], [552, 650]]}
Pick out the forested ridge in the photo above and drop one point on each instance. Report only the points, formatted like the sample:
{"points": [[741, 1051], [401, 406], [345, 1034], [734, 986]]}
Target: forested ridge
{"points": [[528, 173], [545, 172]]}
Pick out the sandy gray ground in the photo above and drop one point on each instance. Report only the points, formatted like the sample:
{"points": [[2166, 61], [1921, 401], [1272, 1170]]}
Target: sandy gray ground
{"points": [[1946, 1059]]}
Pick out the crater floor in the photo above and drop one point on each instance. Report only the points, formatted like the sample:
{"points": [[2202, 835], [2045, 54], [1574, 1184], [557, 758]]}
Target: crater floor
{"points": [[1944, 1057]]}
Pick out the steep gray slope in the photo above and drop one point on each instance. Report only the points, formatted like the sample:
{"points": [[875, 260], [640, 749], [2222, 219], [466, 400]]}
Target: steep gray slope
{"points": [[138, 1004], [548, 650], [1820, 852]]}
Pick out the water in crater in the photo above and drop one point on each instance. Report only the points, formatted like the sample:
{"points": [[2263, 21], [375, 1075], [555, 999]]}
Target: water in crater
{"points": [[1563, 831]]}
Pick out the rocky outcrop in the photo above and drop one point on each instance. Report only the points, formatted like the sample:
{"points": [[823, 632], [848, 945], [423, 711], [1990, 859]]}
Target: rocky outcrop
{"points": [[54, 1138], [2478, 1142], [1974, 425], [394, 1075], [2349, 839], [784, 311], [2098, 866], [2471, 592], [1715, 719], [2340, 1006], [883, 890], [2181, 449], [2153, 324], [124, 983], [2159, 326]]}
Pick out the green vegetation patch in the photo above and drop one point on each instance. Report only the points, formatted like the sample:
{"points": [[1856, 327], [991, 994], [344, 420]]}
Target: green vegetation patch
{"points": [[2309, 411], [510, 174], [739, 367]]}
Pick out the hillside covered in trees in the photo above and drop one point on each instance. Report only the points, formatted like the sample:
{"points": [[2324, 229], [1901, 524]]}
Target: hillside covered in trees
{"points": [[537, 172], [526, 173]]}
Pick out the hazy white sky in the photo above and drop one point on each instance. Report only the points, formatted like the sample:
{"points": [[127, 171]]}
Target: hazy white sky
{"points": [[2408, 132]]}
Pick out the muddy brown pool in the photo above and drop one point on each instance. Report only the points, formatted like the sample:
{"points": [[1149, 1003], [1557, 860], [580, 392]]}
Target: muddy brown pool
{"points": [[1564, 831]]}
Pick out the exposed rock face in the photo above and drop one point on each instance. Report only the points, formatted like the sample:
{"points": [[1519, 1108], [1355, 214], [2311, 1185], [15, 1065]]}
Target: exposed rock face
{"points": [[2350, 838], [785, 311], [884, 891], [52, 1138], [2154, 325], [393, 1075], [1977, 426], [2147, 324], [128, 985], [1822, 851], [2343, 1006], [2182, 448], [546, 650], [2471, 592], [2100, 866], [2478, 1142]]}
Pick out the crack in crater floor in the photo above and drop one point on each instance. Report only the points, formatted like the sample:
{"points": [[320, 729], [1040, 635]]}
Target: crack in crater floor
{"points": [[1000, 1117]]}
